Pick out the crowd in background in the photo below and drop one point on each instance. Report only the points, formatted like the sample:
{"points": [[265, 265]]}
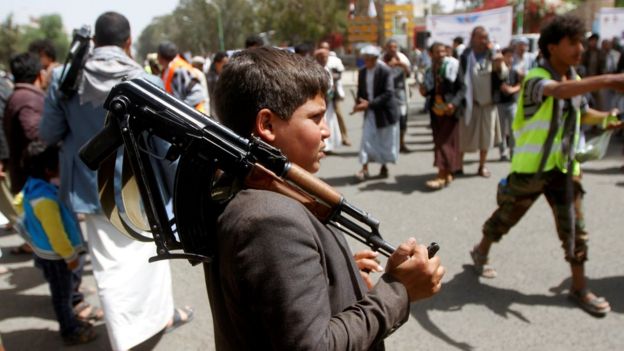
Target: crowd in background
{"points": [[471, 96]]}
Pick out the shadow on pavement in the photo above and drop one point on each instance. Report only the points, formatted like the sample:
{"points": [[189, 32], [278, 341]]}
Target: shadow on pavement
{"points": [[604, 171], [341, 180], [22, 305], [405, 184], [420, 134], [46, 339], [419, 142], [466, 289], [9, 258], [344, 154]]}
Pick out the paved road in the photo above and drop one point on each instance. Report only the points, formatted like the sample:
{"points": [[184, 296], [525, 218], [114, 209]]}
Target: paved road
{"points": [[525, 308]]}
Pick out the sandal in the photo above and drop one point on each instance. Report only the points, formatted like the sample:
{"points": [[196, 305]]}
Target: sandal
{"points": [[484, 172], [83, 335], [86, 313], [23, 249], [481, 266], [596, 306], [177, 320], [437, 183], [361, 175]]}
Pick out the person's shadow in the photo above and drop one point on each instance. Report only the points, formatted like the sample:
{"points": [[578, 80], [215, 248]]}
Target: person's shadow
{"points": [[465, 289]]}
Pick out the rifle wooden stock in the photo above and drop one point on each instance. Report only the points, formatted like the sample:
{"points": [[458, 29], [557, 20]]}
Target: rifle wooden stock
{"points": [[312, 185], [261, 178]]}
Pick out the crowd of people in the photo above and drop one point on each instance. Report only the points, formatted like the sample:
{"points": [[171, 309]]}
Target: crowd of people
{"points": [[314, 291]]}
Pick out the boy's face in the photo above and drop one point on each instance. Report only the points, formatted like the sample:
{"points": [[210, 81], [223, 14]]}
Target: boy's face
{"points": [[568, 51], [508, 58], [301, 138]]}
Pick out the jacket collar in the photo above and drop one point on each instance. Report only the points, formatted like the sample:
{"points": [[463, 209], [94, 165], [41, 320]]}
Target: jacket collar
{"points": [[31, 87]]}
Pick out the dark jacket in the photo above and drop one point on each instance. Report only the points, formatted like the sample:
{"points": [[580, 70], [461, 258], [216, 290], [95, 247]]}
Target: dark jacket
{"points": [[383, 103], [282, 280], [21, 126], [450, 90], [6, 89]]}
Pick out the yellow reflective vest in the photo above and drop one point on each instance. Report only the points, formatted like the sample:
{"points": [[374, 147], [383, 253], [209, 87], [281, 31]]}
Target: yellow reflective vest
{"points": [[531, 133]]}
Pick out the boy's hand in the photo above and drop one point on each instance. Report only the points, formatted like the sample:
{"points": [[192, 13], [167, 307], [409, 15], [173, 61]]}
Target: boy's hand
{"points": [[362, 105], [367, 262], [421, 276], [73, 264]]}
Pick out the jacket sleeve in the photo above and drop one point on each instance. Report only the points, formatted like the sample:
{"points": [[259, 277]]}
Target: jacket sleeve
{"points": [[279, 270], [49, 215], [53, 126], [30, 118], [460, 83]]}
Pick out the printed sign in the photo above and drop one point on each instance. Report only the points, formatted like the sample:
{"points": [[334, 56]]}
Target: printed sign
{"points": [[498, 23]]}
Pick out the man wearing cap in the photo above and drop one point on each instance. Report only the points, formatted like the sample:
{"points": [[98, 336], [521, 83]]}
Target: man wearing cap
{"points": [[375, 97]]}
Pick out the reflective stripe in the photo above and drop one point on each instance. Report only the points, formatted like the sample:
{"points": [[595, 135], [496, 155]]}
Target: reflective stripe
{"points": [[534, 125], [535, 149]]}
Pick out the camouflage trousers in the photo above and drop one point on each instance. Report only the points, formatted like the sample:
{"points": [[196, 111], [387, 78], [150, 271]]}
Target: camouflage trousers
{"points": [[518, 192]]}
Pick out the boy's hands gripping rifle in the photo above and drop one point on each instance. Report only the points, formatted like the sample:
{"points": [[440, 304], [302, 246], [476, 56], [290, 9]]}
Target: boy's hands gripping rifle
{"points": [[207, 153]]}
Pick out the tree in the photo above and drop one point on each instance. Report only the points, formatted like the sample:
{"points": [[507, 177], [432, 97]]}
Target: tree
{"points": [[16, 38], [9, 40], [193, 24]]}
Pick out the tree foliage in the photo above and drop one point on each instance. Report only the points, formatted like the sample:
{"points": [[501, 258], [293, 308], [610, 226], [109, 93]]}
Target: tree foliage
{"points": [[193, 24], [16, 38]]}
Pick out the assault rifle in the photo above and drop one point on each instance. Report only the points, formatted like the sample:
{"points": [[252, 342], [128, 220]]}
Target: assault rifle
{"points": [[76, 58], [213, 164]]}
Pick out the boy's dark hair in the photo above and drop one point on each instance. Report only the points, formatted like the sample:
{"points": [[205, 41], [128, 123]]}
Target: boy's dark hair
{"points": [[558, 28], [507, 50], [43, 46], [269, 78], [167, 50], [253, 41], [39, 158], [303, 49], [112, 28], [219, 56], [25, 67], [458, 40], [434, 45]]}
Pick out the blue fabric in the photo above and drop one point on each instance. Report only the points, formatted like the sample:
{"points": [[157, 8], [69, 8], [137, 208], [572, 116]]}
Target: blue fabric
{"points": [[35, 189]]}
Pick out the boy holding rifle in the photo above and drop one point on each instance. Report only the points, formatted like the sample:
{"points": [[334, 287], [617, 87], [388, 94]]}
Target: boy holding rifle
{"points": [[280, 278]]}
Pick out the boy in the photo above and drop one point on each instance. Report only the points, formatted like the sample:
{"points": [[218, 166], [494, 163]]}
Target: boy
{"points": [[281, 279], [55, 238], [551, 99]]}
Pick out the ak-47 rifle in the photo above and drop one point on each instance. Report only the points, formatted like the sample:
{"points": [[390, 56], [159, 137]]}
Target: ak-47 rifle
{"points": [[213, 164]]}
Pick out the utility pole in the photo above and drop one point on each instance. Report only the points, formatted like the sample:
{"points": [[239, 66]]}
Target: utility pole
{"points": [[219, 23], [520, 17]]}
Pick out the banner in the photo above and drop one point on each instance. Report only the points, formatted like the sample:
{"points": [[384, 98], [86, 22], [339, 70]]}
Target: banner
{"points": [[611, 23], [498, 23]]}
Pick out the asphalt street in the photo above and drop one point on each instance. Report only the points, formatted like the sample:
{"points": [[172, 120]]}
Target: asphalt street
{"points": [[524, 308]]}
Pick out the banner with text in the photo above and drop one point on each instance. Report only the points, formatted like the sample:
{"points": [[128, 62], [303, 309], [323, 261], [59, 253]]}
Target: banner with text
{"points": [[498, 23], [611, 23]]}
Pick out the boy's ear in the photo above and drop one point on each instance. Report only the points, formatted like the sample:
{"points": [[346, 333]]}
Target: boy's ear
{"points": [[264, 128]]}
